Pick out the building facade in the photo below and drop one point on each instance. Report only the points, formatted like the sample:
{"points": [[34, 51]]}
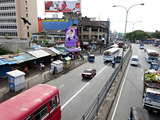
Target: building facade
{"points": [[11, 24], [91, 30]]}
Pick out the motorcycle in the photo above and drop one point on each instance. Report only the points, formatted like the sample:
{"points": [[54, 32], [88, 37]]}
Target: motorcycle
{"points": [[113, 64]]}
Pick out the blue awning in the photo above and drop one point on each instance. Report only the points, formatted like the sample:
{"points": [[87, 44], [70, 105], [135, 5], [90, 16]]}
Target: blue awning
{"points": [[2, 62], [9, 62]]}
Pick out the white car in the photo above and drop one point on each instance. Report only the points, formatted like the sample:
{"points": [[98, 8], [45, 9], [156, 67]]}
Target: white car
{"points": [[134, 60]]}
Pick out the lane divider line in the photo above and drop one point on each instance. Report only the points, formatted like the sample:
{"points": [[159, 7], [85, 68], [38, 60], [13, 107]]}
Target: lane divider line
{"points": [[120, 92], [80, 90]]}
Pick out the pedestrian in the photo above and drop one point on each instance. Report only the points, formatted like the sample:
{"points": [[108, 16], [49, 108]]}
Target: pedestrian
{"points": [[26, 71], [42, 67], [83, 57]]}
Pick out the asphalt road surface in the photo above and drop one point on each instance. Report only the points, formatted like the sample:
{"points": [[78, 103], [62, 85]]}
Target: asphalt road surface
{"points": [[78, 94], [130, 92]]}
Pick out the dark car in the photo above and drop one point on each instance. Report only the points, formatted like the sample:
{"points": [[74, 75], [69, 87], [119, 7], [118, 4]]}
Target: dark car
{"points": [[89, 73]]}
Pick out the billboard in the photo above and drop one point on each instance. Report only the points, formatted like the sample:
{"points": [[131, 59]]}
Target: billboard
{"points": [[71, 37], [62, 6]]}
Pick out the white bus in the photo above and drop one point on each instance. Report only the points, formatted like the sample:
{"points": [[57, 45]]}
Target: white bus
{"points": [[111, 54], [151, 55]]}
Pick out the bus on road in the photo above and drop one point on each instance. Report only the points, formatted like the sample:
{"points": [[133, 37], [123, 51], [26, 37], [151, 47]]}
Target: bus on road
{"points": [[120, 44], [111, 54], [40, 102], [151, 55]]}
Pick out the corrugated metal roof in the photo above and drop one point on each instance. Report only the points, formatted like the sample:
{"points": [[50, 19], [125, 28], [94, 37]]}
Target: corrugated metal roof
{"points": [[2, 62], [39, 53], [55, 50], [19, 58], [49, 51], [10, 62], [28, 57]]}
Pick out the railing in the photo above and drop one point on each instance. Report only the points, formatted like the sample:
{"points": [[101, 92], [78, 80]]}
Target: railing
{"points": [[94, 108]]}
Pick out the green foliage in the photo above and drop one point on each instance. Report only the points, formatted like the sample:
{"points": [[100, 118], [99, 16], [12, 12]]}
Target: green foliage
{"points": [[138, 35], [156, 34], [45, 41], [18, 51], [3, 51]]}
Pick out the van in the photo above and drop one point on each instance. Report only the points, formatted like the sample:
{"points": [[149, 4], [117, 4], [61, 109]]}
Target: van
{"points": [[134, 60]]}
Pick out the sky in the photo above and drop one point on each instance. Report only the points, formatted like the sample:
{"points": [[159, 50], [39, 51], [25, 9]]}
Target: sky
{"points": [[103, 10]]}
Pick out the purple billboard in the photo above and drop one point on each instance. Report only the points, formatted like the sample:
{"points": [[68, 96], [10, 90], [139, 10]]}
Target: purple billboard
{"points": [[71, 37]]}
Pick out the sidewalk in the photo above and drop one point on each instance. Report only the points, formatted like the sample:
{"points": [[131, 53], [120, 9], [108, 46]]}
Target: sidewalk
{"points": [[35, 77]]}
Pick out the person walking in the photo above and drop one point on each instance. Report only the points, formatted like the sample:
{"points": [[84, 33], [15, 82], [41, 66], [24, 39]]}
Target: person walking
{"points": [[26, 71], [42, 67]]}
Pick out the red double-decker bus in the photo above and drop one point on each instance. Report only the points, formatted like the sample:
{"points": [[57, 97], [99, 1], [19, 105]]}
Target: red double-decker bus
{"points": [[120, 44], [40, 102]]}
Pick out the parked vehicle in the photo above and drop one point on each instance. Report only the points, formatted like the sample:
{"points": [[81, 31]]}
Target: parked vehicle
{"points": [[151, 55], [134, 60], [151, 90], [91, 58], [89, 73], [137, 113], [41, 102]]}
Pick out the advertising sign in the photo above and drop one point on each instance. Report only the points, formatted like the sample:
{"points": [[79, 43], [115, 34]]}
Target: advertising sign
{"points": [[62, 6], [71, 37]]}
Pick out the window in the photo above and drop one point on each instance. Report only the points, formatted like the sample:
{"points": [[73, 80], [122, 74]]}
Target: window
{"points": [[26, 15], [52, 103], [27, 34], [27, 27], [41, 112]]}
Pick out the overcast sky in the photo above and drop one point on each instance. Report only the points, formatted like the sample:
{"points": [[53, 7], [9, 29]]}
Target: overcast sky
{"points": [[148, 14]]}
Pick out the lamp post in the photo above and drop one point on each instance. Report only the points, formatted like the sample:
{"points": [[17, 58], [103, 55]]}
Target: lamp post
{"points": [[133, 23], [127, 10]]}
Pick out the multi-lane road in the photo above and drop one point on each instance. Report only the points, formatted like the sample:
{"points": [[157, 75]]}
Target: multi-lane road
{"points": [[77, 94], [130, 92]]}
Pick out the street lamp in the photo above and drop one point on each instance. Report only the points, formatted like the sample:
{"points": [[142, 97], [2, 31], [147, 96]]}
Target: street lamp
{"points": [[127, 10], [133, 23]]}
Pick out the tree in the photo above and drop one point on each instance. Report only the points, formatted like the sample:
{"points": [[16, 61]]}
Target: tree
{"points": [[137, 35]]}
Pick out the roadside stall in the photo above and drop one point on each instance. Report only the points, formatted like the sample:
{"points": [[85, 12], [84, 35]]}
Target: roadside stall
{"points": [[57, 66], [67, 62], [16, 79]]}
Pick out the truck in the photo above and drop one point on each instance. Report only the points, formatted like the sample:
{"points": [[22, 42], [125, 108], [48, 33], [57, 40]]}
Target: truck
{"points": [[151, 90]]}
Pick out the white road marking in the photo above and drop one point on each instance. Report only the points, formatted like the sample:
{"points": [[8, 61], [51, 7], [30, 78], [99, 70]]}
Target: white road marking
{"points": [[142, 78], [120, 93], [61, 86], [141, 70], [80, 90]]}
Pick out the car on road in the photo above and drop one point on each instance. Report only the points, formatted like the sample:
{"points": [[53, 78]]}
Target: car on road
{"points": [[134, 60], [89, 73]]}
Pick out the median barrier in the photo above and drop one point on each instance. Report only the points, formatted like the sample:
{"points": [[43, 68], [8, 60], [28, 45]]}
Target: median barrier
{"points": [[101, 106]]}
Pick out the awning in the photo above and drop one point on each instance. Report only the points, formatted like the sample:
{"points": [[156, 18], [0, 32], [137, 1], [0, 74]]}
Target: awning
{"points": [[55, 50], [72, 27], [10, 62], [38, 53], [19, 58], [28, 57], [73, 49], [67, 58], [2, 62], [49, 51], [63, 50]]}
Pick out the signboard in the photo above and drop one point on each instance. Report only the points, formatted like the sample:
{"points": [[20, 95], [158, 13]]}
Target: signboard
{"points": [[71, 37], [62, 6]]}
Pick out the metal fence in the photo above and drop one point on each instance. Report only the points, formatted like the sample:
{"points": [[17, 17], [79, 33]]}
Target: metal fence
{"points": [[94, 108]]}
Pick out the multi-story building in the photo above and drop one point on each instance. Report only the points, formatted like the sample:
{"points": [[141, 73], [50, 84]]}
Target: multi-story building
{"points": [[91, 30], [11, 12]]}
